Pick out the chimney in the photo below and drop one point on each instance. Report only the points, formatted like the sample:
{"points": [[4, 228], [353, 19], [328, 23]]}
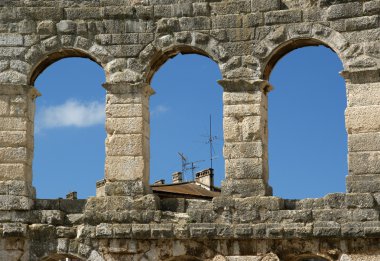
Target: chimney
{"points": [[159, 182], [205, 178], [72, 195], [177, 177]]}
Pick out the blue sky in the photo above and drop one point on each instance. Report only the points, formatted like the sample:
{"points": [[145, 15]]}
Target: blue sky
{"points": [[307, 139]]}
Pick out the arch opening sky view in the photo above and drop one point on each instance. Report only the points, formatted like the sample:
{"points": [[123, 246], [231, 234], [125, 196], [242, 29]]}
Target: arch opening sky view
{"points": [[307, 138]]}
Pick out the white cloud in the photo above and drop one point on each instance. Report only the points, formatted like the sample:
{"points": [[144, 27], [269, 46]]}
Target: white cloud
{"points": [[72, 113], [159, 109]]}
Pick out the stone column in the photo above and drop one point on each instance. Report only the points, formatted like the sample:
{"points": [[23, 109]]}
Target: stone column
{"points": [[363, 128], [127, 143], [17, 105], [245, 138]]}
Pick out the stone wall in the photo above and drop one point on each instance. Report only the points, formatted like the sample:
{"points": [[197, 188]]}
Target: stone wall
{"points": [[131, 39]]}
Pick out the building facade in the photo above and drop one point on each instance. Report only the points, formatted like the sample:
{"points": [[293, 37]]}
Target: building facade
{"points": [[131, 39]]}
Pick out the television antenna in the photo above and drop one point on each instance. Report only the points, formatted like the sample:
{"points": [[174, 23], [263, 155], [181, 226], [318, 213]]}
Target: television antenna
{"points": [[186, 166], [210, 141]]}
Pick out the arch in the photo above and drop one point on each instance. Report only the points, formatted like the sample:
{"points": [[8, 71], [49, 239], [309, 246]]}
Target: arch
{"points": [[81, 95], [283, 40], [49, 51], [168, 46], [293, 119]]}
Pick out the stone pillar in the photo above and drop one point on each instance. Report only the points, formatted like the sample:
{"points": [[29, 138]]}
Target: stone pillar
{"points": [[363, 128], [245, 138], [17, 105], [127, 143]]}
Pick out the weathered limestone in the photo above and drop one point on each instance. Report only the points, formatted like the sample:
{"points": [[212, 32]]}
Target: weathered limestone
{"points": [[16, 148], [131, 40], [245, 138], [127, 143]]}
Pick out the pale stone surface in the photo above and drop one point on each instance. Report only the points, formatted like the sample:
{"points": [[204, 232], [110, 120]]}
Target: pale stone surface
{"points": [[131, 40], [363, 119]]}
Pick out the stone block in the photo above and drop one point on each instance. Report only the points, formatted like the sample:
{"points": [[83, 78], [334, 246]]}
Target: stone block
{"points": [[161, 11], [274, 231], [335, 215], [104, 230], [239, 150], [252, 20], [13, 124], [224, 231], [227, 21], [372, 229], [334, 200], [361, 215], [242, 216], [242, 110], [125, 125], [252, 128], [364, 142], [364, 163], [243, 231], [141, 231], [363, 119], [235, 7], [202, 230], [66, 27], [298, 230], [34, 14], [7, 39], [265, 5], [371, 7], [182, 10], [344, 10], [352, 229], [267, 203], [194, 23], [363, 183], [232, 129], [234, 98], [16, 188], [259, 230], [359, 200], [164, 231], [363, 94], [11, 202], [122, 230], [15, 171], [125, 145], [14, 230], [283, 17], [248, 168], [124, 188], [125, 168], [52, 217], [287, 216], [83, 13], [46, 27], [14, 155], [201, 9], [362, 23], [326, 229], [125, 110]]}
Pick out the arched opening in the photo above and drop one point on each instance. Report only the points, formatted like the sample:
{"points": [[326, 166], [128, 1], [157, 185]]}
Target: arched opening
{"points": [[69, 128], [187, 94], [306, 124]]}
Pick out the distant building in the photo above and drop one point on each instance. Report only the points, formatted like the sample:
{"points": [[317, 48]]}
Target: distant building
{"points": [[201, 188]]}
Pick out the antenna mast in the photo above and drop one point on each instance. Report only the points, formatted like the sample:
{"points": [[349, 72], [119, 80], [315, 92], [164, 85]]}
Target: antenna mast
{"points": [[210, 141]]}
